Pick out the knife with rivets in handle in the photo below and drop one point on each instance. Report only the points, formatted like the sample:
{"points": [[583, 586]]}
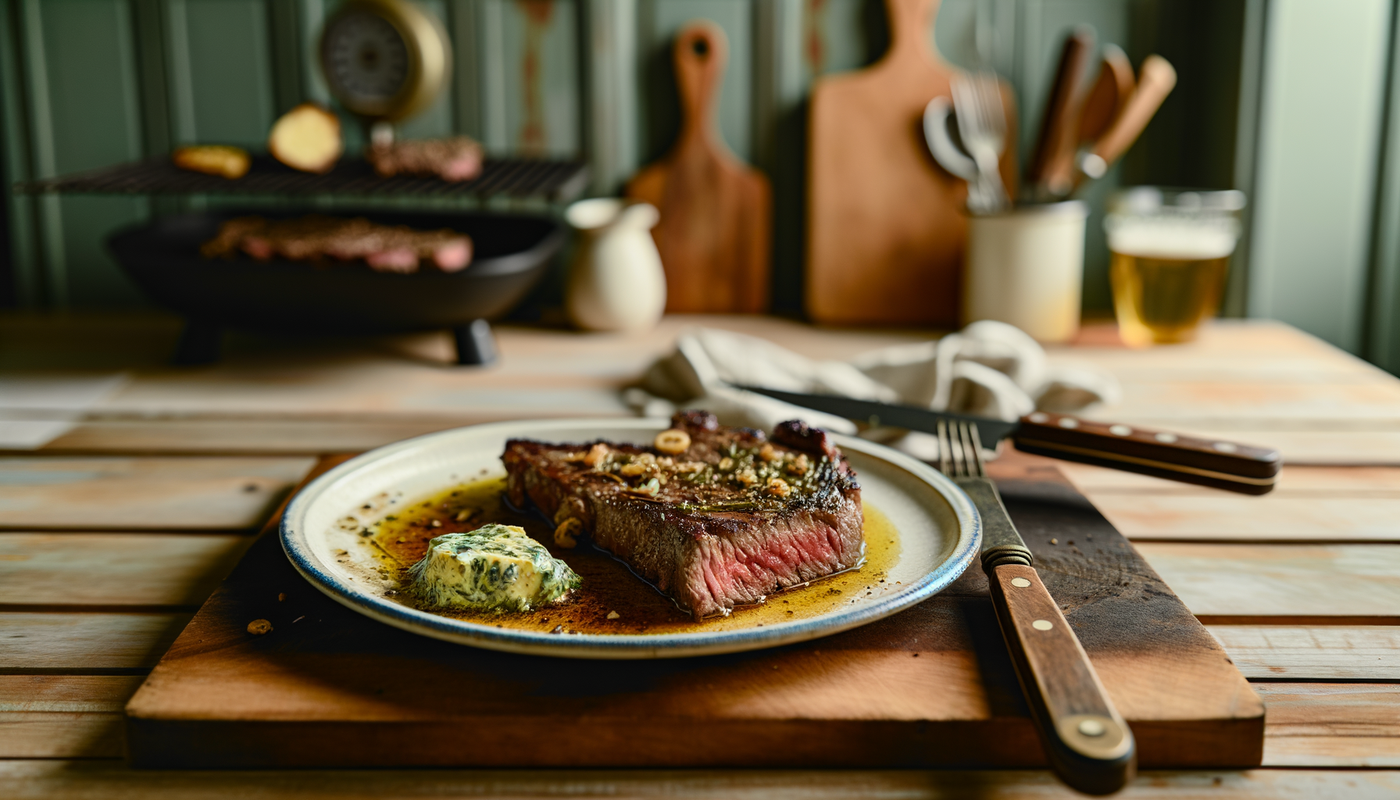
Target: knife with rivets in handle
{"points": [[1235, 467]]}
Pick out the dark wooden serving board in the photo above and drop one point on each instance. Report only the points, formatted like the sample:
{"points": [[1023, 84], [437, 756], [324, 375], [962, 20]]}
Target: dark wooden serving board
{"points": [[932, 686]]}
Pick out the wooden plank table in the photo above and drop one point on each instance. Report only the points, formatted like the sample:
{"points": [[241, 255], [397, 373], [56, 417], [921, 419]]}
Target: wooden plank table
{"points": [[116, 529]]}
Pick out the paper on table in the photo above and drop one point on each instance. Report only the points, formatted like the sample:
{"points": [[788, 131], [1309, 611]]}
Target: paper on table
{"points": [[35, 409]]}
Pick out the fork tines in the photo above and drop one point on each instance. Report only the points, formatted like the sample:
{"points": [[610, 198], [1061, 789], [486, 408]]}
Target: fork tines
{"points": [[959, 450]]}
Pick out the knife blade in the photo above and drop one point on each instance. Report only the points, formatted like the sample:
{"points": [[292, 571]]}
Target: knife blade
{"points": [[1232, 466]]}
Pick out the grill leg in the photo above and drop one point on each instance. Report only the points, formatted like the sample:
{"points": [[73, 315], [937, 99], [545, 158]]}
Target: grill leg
{"points": [[200, 343], [476, 345]]}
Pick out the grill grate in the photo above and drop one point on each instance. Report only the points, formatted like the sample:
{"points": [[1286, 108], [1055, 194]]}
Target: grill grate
{"points": [[555, 181]]}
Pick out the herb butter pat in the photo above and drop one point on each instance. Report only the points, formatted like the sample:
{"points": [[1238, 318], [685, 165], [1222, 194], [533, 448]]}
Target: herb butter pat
{"points": [[495, 567]]}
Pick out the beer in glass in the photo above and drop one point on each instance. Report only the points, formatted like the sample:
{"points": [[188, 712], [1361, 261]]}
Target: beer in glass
{"points": [[1169, 249]]}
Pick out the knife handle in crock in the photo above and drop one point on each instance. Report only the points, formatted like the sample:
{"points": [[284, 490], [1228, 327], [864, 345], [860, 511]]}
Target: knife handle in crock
{"points": [[1088, 743], [1209, 462]]}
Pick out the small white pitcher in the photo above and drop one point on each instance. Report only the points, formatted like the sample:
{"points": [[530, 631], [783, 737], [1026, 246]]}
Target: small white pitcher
{"points": [[616, 282]]}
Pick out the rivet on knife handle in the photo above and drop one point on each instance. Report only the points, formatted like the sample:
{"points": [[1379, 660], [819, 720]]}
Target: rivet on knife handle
{"points": [[1209, 462], [1087, 741]]}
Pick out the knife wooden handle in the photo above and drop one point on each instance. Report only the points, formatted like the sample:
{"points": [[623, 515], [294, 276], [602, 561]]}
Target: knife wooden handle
{"points": [[1087, 741], [1208, 462]]}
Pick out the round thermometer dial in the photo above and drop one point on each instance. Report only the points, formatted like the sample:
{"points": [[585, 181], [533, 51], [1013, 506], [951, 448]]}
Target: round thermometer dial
{"points": [[384, 59]]}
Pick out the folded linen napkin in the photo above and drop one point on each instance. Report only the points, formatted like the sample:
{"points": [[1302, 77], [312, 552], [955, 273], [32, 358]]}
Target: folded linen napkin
{"points": [[988, 369]]}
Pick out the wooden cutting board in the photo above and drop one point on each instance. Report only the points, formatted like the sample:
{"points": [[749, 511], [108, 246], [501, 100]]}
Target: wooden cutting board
{"points": [[716, 212], [932, 686], [885, 225]]}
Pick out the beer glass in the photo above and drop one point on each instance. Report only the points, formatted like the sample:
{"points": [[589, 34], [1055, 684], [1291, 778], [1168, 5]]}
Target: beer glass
{"points": [[1169, 249]]}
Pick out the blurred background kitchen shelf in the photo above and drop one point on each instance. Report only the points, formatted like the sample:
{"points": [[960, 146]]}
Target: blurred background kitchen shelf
{"points": [[1292, 101]]}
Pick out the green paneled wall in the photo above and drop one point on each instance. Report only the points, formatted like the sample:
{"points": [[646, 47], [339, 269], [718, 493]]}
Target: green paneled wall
{"points": [[89, 83]]}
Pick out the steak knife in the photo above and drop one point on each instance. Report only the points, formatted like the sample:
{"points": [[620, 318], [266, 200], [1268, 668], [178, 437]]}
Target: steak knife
{"points": [[1208, 462]]}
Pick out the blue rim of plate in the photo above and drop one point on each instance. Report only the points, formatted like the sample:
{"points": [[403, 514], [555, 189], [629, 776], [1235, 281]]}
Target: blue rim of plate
{"points": [[625, 646]]}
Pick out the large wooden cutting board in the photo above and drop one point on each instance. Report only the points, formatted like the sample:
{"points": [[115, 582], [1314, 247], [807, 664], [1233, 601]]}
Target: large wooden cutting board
{"points": [[716, 212], [885, 225], [930, 686]]}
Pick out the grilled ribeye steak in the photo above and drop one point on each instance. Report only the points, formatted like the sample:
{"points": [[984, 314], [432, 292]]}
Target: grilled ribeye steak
{"points": [[716, 518], [455, 158], [314, 237]]}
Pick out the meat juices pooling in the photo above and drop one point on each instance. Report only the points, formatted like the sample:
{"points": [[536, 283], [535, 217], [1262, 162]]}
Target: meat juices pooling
{"points": [[608, 587]]}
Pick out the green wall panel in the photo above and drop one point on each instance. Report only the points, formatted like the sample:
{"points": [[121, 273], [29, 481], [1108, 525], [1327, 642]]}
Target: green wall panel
{"points": [[25, 268], [84, 114], [612, 86], [541, 76], [1326, 70], [530, 83], [220, 71], [841, 35], [111, 80]]}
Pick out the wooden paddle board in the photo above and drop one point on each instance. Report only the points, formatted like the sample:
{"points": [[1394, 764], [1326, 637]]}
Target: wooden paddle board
{"points": [[715, 228], [885, 225]]}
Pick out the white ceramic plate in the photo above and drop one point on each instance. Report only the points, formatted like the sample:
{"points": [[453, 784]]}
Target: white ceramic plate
{"points": [[939, 532]]}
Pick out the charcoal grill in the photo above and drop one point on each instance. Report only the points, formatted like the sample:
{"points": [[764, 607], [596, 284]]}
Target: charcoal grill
{"points": [[512, 252]]}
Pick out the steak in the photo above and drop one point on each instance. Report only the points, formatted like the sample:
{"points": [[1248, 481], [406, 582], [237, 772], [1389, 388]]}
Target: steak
{"points": [[713, 517], [455, 158], [386, 248]]}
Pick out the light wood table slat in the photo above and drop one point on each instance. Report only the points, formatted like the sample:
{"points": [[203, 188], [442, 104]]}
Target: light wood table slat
{"points": [[63, 716], [143, 493], [67, 693], [1281, 581], [1335, 725], [62, 735], [1225, 517], [264, 436], [1371, 400], [1252, 382], [29, 780], [114, 569], [1313, 653], [1331, 724], [85, 642]]}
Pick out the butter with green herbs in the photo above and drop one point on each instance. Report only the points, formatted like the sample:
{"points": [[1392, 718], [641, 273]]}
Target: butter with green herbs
{"points": [[493, 568]]}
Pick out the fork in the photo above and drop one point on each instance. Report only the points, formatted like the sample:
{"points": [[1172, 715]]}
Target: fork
{"points": [[982, 127], [1087, 741]]}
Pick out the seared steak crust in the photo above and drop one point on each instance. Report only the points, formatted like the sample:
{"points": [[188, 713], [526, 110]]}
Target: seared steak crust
{"points": [[729, 519]]}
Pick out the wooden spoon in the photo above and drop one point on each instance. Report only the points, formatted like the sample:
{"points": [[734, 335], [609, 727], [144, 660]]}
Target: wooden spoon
{"points": [[1155, 81], [1108, 95], [1099, 108]]}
